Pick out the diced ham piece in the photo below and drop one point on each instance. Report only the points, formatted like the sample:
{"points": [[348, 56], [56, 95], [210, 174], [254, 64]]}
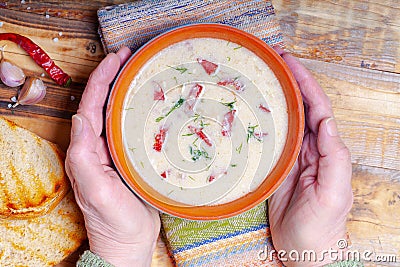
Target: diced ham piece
{"points": [[193, 96], [263, 108], [211, 178], [159, 139], [199, 132], [227, 123], [260, 135], [165, 173], [208, 66], [158, 92], [214, 176], [234, 83]]}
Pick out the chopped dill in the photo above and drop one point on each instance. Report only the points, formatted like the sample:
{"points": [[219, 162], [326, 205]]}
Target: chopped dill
{"points": [[239, 148], [230, 105], [177, 105], [194, 142], [182, 70], [202, 124], [251, 133], [198, 153], [196, 117]]}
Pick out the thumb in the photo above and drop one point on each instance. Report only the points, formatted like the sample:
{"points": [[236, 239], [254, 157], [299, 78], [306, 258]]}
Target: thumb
{"points": [[334, 172], [82, 162]]}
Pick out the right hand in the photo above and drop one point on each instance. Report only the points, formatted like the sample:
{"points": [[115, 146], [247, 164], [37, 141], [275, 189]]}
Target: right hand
{"points": [[120, 227], [308, 212]]}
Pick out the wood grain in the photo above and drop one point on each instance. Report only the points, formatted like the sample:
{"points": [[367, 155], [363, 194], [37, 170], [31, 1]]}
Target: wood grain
{"points": [[352, 48], [367, 106], [374, 219], [358, 33]]}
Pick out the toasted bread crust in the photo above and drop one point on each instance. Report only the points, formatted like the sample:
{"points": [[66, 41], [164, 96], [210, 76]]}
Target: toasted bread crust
{"points": [[40, 222], [46, 240], [36, 185]]}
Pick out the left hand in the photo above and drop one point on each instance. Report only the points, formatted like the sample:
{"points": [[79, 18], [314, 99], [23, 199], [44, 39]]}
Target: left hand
{"points": [[121, 228]]}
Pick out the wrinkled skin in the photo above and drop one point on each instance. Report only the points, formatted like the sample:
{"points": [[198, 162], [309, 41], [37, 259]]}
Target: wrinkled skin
{"points": [[309, 210], [120, 227]]}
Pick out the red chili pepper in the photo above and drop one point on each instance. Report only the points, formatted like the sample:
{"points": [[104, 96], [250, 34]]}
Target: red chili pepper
{"points": [[235, 83], [164, 174], [194, 94], [227, 123], [199, 132], [263, 108], [40, 57], [159, 139], [209, 67], [158, 92]]}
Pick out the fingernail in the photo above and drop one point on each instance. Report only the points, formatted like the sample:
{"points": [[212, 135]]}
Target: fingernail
{"points": [[76, 125], [331, 127]]}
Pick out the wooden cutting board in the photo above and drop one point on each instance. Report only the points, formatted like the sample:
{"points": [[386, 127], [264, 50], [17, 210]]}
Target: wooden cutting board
{"points": [[67, 31]]}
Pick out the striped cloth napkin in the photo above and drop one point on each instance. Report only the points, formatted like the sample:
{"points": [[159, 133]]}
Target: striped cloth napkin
{"points": [[239, 241]]}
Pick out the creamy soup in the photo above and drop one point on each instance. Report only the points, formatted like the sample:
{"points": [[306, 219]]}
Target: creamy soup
{"points": [[204, 121]]}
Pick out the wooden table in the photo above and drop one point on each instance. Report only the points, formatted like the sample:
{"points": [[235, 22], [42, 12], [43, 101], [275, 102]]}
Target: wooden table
{"points": [[352, 47]]}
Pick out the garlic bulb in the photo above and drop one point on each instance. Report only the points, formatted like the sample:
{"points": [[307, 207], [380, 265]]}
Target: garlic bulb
{"points": [[32, 92], [10, 74]]}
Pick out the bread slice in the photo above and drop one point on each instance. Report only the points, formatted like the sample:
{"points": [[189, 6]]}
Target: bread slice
{"points": [[32, 176], [45, 240], [39, 224]]}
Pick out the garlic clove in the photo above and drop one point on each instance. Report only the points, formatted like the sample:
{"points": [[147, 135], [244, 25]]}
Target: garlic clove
{"points": [[10, 74], [32, 92]]}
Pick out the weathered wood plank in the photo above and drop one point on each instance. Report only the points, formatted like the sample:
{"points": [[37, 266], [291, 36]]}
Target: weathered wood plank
{"points": [[367, 107], [374, 220], [160, 256], [57, 103], [60, 9], [359, 33], [50, 128], [76, 52]]}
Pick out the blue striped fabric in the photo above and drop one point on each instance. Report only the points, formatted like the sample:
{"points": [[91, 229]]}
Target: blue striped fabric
{"points": [[224, 236], [135, 23]]}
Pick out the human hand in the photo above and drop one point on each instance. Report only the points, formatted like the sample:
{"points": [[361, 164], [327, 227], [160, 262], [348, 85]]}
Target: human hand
{"points": [[309, 210], [121, 228]]}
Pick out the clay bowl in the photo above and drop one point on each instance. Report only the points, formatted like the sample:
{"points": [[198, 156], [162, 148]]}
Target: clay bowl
{"points": [[276, 176]]}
